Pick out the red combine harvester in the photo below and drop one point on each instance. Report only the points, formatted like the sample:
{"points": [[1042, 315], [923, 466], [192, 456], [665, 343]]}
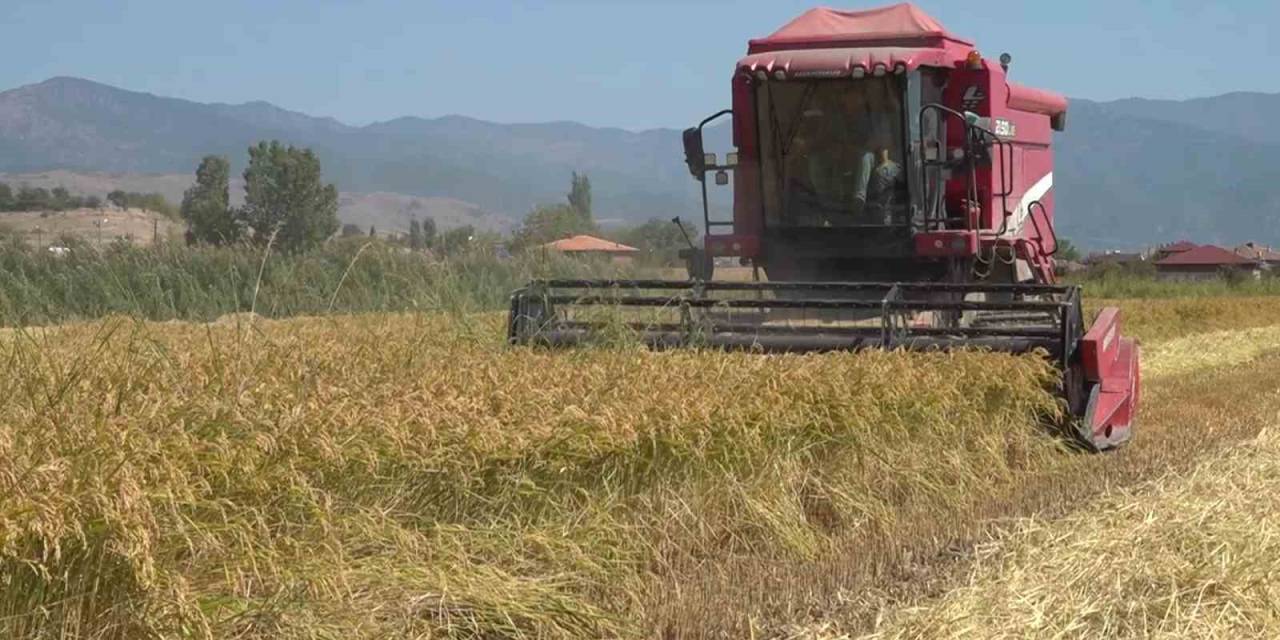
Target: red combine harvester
{"points": [[896, 190]]}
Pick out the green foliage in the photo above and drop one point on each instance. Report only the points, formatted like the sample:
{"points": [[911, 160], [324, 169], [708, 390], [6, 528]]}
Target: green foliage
{"points": [[552, 222], [149, 201], [34, 199], [171, 281], [428, 232], [659, 241], [1122, 283], [1143, 270], [40, 199], [415, 235], [1068, 251], [285, 198], [458, 240], [580, 195], [547, 223], [206, 206]]}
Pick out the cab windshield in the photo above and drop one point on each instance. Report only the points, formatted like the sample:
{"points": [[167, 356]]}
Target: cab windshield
{"points": [[832, 152]]}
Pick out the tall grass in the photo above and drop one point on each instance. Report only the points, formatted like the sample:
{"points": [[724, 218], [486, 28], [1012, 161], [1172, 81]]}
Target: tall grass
{"points": [[171, 282], [1117, 283], [174, 282]]}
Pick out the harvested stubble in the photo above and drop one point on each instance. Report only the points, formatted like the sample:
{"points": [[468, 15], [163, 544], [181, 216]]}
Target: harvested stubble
{"points": [[408, 476], [1190, 556]]}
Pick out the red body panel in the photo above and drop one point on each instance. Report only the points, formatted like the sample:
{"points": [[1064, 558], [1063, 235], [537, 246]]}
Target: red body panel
{"points": [[1110, 361]]}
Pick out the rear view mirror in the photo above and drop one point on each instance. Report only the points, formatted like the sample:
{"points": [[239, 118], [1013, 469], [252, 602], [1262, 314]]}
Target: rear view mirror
{"points": [[693, 154]]}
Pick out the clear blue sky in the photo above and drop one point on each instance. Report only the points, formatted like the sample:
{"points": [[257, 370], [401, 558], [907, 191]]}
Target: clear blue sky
{"points": [[604, 62]]}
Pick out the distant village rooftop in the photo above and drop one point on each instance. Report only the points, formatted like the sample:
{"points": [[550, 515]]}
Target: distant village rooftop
{"points": [[1205, 256], [1255, 251], [589, 244]]}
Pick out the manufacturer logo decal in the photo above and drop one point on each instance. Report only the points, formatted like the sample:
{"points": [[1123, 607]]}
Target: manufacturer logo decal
{"points": [[973, 97]]}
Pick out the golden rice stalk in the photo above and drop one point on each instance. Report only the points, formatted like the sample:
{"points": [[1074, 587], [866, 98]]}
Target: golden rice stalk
{"points": [[392, 476], [1191, 556]]}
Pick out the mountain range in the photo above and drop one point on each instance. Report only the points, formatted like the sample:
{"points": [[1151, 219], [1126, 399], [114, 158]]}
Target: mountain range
{"points": [[1129, 172]]}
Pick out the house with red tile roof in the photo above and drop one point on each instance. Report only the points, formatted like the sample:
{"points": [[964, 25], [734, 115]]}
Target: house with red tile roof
{"points": [[584, 245], [1262, 253], [1164, 251], [1206, 262]]}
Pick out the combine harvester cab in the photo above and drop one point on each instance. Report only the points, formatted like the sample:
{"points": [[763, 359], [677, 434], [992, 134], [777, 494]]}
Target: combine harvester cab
{"points": [[892, 189]]}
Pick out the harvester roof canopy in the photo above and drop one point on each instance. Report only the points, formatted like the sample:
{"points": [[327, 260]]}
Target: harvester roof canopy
{"points": [[900, 24], [828, 43]]}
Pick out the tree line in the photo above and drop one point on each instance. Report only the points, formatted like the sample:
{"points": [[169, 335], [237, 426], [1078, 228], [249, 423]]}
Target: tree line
{"points": [[26, 198], [288, 204]]}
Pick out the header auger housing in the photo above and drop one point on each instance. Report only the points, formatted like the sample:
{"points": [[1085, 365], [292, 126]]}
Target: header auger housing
{"points": [[895, 190], [1099, 368]]}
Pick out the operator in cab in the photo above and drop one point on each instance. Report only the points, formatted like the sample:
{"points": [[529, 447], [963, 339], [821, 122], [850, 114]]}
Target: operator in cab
{"points": [[840, 165]]}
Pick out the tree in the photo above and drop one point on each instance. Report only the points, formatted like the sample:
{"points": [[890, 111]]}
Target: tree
{"points": [[7, 202], [458, 239], [1067, 251], [350, 230], [373, 233], [60, 199], [33, 199], [206, 206], [580, 195], [548, 223], [284, 196], [428, 232], [152, 202], [660, 241], [119, 199], [415, 235], [93, 202]]}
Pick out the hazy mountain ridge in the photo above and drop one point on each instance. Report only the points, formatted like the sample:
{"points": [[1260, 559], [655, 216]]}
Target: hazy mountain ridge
{"points": [[1129, 172], [1244, 114]]}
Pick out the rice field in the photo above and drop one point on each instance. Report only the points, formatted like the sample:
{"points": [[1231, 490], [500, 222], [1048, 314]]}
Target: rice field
{"points": [[1191, 556], [408, 475]]}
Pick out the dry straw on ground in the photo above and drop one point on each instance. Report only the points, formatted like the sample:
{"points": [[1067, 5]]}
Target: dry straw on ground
{"points": [[1194, 556]]}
